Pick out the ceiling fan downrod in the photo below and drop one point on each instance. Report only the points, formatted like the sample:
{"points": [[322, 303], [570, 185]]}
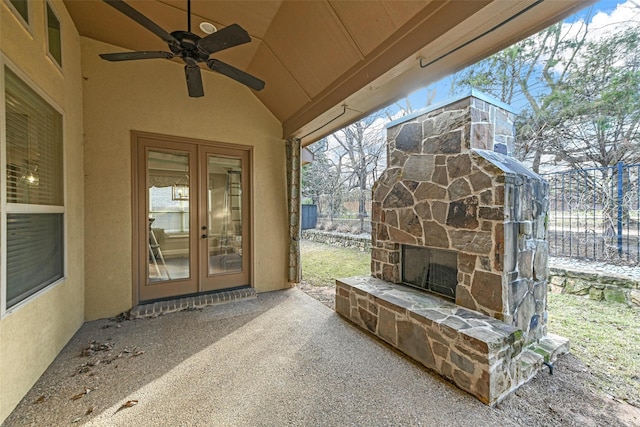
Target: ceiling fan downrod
{"points": [[189, 15]]}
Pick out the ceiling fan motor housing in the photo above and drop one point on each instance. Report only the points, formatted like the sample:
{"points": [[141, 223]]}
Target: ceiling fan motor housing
{"points": [[188, 47]]}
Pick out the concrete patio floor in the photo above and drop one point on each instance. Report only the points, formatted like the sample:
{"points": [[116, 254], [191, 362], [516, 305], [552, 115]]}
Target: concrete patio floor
{"points": [[280, 359]]}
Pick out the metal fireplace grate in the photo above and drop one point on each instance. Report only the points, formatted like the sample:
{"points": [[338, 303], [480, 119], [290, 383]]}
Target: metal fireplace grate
{"points": [[430, 269]]}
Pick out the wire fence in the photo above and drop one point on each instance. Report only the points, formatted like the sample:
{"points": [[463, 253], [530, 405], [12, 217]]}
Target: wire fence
{"points": [[595, 213]]}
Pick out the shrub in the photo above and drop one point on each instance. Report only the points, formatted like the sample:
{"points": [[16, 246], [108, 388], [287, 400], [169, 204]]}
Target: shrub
{"points": [[329, 226], [343, 229]]}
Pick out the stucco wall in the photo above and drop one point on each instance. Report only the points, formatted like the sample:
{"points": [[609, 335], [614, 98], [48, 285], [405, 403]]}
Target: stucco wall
{"points": [[32, 333], [151, 96]]}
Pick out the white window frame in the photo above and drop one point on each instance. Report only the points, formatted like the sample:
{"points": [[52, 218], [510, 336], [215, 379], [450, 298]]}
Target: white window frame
{"points": [[27, 25], [46, 34], [6, 208]]}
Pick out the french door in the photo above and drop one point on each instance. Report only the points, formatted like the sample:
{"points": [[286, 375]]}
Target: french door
{"points": [[192, 216]]}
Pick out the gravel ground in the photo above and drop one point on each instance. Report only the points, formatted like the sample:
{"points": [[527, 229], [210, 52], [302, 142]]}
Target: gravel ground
{"points": [[281, 359]]}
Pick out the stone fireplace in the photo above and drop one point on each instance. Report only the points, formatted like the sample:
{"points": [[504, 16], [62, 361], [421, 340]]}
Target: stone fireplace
{"points": [[459, 256]]}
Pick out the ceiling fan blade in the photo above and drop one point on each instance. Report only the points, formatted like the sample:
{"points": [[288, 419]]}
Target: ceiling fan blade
{"points": [[236, 74], [194, 81], [128, 56], [142, 20], [230, 36]]}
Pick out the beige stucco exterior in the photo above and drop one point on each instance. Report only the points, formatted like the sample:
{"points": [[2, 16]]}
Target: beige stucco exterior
{"points": [[32, 333], [105, 102], [150, 96]]}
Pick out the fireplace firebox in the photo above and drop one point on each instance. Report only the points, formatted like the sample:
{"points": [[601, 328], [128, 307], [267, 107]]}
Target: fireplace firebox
{"points": [[430, 269]]}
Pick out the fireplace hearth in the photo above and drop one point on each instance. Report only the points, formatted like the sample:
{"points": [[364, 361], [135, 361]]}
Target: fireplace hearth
{"points": [[459, 257]]}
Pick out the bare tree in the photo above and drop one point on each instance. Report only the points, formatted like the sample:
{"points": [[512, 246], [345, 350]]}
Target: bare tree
{"points": [[361, 144], [323, 179]]}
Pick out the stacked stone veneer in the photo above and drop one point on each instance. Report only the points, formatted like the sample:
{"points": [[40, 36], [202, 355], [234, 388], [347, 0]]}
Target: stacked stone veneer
{"points": [[481, 355], [449, 185]]}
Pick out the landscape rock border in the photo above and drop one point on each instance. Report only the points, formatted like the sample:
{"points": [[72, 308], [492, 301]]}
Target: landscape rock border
{"points": [[596, 285]]}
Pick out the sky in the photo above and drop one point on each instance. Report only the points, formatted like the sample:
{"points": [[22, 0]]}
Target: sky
{"points": [[604, 17]]}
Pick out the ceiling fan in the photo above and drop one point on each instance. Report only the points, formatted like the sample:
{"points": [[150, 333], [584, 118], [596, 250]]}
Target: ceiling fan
{"points": [[192, 48]]}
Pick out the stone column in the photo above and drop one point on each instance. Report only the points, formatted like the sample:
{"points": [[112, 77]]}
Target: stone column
{"points": [[293, 193]]}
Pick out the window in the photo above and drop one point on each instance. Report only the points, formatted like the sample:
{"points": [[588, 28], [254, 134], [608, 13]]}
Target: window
{"points": [[54, 41], [34, 212], [21, 7]]}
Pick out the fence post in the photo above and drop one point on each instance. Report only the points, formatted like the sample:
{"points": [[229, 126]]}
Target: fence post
{"points": [[620, 183]]}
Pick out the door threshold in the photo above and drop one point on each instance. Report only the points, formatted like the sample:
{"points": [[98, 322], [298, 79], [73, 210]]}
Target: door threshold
{"points": [[158, 308]]}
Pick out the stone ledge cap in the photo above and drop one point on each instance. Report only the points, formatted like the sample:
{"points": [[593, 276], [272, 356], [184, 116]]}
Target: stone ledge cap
{"points": [[423, 306]]}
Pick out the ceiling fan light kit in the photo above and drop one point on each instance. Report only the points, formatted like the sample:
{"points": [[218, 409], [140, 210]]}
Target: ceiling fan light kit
{"points": [[191, 48], [208, 27]]}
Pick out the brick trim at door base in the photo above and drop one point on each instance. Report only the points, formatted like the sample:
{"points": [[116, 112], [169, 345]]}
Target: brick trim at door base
{"points": [[189, 303]]}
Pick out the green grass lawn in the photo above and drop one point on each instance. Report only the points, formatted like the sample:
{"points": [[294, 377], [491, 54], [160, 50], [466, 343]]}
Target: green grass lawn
{"points": [[322, 264], [604, 335]]}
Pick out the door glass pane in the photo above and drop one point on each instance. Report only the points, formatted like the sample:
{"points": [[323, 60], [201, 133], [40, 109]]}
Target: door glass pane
{"points": [[224, 214], [168, 216]]}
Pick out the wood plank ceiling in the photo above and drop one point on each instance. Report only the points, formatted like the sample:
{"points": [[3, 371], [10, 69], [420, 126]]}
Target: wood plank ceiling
{"points": [[318, 56]]}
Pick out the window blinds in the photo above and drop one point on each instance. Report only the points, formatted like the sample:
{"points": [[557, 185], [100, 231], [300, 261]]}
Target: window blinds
{"points": [[34, 253], [34, 189], [34, 146]]}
